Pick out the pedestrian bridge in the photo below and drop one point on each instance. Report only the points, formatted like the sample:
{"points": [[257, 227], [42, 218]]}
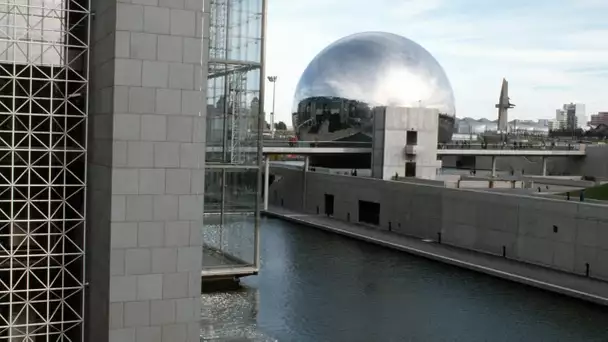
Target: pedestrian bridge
{"points": [[511, 152], [274, 147]]}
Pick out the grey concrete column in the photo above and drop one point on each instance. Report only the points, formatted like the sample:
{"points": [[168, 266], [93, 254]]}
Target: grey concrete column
{"points": [[266, 180], [304, 178], [544, 166], [148, 138], [493, 166]]}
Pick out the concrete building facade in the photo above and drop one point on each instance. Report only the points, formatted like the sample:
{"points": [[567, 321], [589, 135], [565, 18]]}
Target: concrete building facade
{"points": [[405, 143], [601, 118], [102, 156]]}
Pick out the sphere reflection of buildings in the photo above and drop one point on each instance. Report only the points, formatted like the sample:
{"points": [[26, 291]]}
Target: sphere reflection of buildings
{"points": [[339, 89]]}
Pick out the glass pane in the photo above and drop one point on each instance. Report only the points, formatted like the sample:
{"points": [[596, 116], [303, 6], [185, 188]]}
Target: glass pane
{"points": [[233, 110], [240, 38], [245, 30], [213, 190], [231, 243], [240, 190]]}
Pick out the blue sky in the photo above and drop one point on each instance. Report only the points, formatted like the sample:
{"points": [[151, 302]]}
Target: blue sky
{"points": [[550, 51]]}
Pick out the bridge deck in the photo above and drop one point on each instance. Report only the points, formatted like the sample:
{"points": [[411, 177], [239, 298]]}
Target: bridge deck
{"points": [[317, 150], [561, 282], [440, 152], [511, 153], [335, 148]]}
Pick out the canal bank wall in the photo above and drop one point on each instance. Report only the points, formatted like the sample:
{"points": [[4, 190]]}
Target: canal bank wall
{"points": [[567, 236], [585, 288]]}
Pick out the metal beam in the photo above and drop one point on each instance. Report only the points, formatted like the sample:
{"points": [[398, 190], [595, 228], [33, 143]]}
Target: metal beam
{"points": [[234, 62]]}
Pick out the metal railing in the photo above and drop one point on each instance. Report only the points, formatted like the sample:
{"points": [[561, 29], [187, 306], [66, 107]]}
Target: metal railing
{"points": [[440, 146], [548, 147], [308, 144]]}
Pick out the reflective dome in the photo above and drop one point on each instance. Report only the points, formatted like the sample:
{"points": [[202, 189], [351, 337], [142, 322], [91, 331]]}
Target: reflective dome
{"points": [[337, 92]]}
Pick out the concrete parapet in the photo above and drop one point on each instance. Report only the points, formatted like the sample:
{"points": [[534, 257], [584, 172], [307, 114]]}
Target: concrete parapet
{"points": [[561, 181], [594, 163]]}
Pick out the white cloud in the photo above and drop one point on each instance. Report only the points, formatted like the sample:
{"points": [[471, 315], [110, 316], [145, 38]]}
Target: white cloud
{"points": [[591, 4], [501, 54], [549, 53], [410, 8]]}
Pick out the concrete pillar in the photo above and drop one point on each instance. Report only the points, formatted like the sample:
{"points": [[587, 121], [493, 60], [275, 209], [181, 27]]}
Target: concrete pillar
{"points": [[146, 170], [304, 177], [544, 166], [266, 180], [493, 166]]}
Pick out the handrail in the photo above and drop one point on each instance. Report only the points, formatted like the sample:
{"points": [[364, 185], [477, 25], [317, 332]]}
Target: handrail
{"points": [[287, 143], [512, 147]]}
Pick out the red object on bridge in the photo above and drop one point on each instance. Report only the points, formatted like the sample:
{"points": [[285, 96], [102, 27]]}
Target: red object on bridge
{"points": [[292, 141]]}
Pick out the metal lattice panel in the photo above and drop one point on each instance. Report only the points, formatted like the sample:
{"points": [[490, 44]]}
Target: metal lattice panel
{"points": [[43, 114]]}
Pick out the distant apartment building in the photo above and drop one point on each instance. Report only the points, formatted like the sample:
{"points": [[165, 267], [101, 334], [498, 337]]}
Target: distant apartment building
{"points": [[543, 122], [560, 119], [571, 116], [554, 125], [600, 118]]}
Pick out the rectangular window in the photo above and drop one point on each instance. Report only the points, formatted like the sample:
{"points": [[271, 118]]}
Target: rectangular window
{"points": [[412, 138]]}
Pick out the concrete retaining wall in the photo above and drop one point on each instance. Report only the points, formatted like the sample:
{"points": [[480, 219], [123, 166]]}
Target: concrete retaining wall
{"points": [[558, 234], [561, 181], [595, 163]]}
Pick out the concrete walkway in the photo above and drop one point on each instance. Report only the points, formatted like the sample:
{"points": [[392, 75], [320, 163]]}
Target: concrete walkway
{"points": [[561, 282]]}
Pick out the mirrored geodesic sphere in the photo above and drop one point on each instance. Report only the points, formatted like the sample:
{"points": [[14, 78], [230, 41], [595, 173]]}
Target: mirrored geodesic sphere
{"points": [[340, 87]]}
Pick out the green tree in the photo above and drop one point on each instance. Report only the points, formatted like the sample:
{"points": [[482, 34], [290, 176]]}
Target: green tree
{"points": [[280, 126]]}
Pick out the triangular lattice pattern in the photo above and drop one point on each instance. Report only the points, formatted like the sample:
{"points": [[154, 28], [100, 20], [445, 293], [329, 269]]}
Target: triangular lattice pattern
{"points": [[43, 113]]}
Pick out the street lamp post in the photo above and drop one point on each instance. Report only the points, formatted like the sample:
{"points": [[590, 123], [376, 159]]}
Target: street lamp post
{"points": [[273, 80]]}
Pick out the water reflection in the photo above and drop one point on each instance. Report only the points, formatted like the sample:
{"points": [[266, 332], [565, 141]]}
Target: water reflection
{"points": [[228, 316], [315, 286]]}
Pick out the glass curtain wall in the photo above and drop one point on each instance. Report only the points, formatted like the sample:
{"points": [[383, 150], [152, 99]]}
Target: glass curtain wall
{"points": [[43, 119], [232, 165]]}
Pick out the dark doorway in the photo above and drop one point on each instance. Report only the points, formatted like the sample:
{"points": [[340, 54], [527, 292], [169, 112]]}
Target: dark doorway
{"points": [[369, 212], [329, 205], [410, 169]]}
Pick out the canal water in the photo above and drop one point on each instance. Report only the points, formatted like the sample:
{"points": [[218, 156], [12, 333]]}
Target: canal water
{"points": [[316, 286]]}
